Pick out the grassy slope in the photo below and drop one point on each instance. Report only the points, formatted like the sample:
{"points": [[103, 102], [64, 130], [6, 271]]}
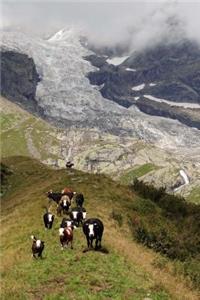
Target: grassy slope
{"points": [[194, 196], [129, 176], [20, 131], [127, 272]]}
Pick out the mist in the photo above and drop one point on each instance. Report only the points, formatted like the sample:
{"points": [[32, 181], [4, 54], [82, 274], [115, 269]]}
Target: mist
{"points": [[135, 24]]}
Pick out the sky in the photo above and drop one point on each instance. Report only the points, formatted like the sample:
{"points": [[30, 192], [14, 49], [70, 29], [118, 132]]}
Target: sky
{"points": [[138, 23]]}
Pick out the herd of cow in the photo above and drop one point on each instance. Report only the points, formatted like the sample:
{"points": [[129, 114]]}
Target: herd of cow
{"points": [[92, 228]]}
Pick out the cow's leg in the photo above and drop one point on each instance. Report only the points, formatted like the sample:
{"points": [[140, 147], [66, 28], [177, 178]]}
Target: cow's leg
{"points": [[62, 244], [91, 243], [96, 244], [88, 242], [40, 254], [71, 244]]}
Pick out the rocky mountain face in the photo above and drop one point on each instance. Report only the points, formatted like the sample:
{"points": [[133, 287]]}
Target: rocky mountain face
{"points": [[19, 78], [166, 73]]}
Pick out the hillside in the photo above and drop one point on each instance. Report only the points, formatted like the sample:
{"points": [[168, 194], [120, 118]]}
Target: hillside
{"points": [[127, 271], [122, 158]]}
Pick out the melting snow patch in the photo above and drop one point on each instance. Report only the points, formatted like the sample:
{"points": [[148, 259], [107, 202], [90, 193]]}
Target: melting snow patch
{"points": [[136, 98], [130, 70], [152, 84], [172, 103], [138, 87], [184, 176], [117, 60]]}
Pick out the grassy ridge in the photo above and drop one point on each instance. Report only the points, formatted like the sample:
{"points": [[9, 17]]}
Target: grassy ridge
{"points": [[77, 275], [129, 176], [126, 272]]}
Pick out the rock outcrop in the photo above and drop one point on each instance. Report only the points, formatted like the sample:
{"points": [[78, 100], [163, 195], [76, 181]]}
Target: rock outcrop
{"points": [[19, 78]]}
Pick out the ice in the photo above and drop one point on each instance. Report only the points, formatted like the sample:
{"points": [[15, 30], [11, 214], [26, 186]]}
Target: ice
{"points": [[138, 87], [173, 103], [117, 60], [131, 70]]}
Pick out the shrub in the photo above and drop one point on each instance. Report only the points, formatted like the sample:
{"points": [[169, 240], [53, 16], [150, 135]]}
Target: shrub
{"points": [[117, 217], [169, 226]]}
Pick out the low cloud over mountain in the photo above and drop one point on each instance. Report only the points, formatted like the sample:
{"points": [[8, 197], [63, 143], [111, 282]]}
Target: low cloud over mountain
{"points": [[131, 24]]}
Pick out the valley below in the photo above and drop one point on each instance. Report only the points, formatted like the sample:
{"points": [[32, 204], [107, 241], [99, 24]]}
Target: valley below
{"points": [[122, 158]]}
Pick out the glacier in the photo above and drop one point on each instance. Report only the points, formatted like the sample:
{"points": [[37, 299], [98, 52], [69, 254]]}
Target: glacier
{"points": [[67, 97]]}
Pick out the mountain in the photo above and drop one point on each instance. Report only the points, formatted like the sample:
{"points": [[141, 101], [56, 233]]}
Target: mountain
{"points": [[123, 270], [65, 96], [162, 81], [49, 78]]}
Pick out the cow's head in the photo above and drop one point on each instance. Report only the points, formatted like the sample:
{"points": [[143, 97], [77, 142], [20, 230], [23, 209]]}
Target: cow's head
{"points": [[61, 231], [49, 192], [65, 203], [91, 230], [75, 213], [50, 217]]}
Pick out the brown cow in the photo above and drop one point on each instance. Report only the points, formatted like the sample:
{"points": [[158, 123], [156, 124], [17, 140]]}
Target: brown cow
{"points": [[66, 237]]}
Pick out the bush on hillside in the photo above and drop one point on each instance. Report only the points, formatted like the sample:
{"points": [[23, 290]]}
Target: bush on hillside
{"points": [[4, 172], [170, 227], [117, 216]]}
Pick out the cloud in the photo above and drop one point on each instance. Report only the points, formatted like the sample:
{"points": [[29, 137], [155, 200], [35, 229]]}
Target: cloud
{"points": [[132, 23]]}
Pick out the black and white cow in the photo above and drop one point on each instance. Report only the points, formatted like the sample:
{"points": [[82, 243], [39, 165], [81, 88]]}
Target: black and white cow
{"points": [[93, 230], [79, 200], [48, 219], [69, 165], [67, 223], [65, 203], [37, 247], [54, 196], [78, 215]]}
